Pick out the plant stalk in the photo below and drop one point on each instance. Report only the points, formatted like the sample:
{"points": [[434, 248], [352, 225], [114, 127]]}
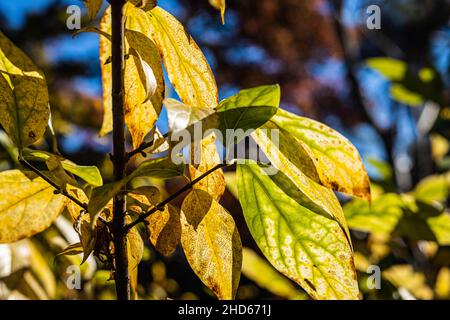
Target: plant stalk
{"points": [[119, 157]]}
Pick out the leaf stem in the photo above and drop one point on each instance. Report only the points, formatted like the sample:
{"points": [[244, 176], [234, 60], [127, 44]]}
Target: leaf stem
{"points": [[160, 206]]}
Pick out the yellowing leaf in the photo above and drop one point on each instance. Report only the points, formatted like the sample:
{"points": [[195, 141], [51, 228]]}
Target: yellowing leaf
{"points": [[204, 158], [93, 7], [442, 287], [338, 162], [24, 109], [186, 65], [144, 79], [164, 229], [144, 4], [307, 247], [221, 6], [27, 206], [211, 243], [292, 161]]}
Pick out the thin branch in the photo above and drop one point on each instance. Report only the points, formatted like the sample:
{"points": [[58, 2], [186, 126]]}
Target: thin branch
{"points": [[160, 206], [58, 188], [141, 149]]}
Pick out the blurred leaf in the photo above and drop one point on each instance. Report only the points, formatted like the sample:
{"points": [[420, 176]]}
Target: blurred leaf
{"points": [[434, 188], [380, 217], [404, 276], [442, 287], [90, 174], [27, 206], [211, 243], [24, 108], [186, 65], [265, 276], [392, 69], [73, 249], [440, 226], [307, 247]]}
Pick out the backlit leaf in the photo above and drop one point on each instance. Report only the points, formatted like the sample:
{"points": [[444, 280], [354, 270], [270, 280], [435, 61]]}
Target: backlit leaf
{"points": [[307, 247], [164, 229], [27, 206], [90, 174], [338, 162], [186, 65], [404, 276], [24, 109], [211, 243], [143, 94], [144, 4], [203, 158]]}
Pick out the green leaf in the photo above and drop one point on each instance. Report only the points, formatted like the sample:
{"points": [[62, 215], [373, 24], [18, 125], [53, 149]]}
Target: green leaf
{"points": [[27, 206], [392, 69], [24, 108], [337, 161], [435, 188], [90, 174], [161, 168], [307, 247]]}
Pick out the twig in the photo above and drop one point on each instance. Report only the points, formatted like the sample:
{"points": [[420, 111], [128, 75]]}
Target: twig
{"points": [[144, 145], [160, 206]]}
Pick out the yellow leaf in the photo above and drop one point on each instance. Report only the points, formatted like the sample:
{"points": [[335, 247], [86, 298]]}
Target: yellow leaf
{"points": [[93, 7], [338, 162], [204, 157], [144, 79], [186, 65], [144, 4], [24, 110], [27, 206], [221, 6], [164, 229], [211, 243], [443, 283]]}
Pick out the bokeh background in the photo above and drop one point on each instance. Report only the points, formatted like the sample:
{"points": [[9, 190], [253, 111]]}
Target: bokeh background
{"points": [[332, 68]]}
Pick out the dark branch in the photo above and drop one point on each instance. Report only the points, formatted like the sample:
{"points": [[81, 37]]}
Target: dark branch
{"points": [[160, 206]]}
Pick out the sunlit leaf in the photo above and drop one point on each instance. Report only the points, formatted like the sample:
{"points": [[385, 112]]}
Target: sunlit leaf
{"points": [[90, 174], [264, 275], [307, 247], [27, 206], [338, 162], [24, 109], [144, 4], [291, 157], [435, 188], [203, 158], [161, 168], [186, 65], [144, 79], [164, 229], [211, 243]]}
